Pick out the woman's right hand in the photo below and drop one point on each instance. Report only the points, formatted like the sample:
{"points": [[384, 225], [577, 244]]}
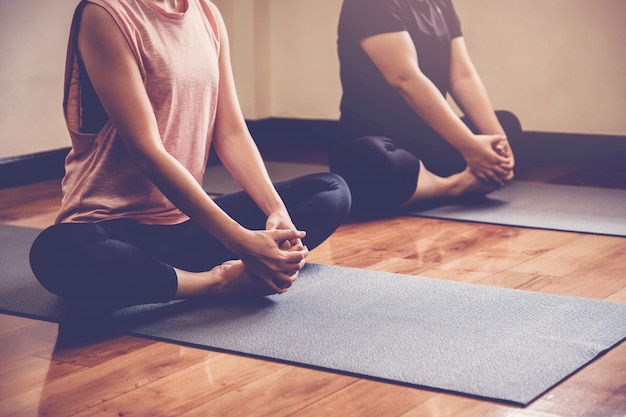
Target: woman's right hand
{"points": [[266, 256], [490, 158]]}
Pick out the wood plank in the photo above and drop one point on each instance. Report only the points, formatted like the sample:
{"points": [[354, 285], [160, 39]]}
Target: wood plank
{"points": [[33, 205], [596, 390], [205, 381], [448, 405], [38, 338], [571, 256], [9, 323], [279, 393], [134, 376], [366, 398], [91, 387], [29, 374]]}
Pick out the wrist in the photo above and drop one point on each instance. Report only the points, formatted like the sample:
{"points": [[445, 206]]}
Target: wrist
{"points": [[468, 146], [236, 237]]}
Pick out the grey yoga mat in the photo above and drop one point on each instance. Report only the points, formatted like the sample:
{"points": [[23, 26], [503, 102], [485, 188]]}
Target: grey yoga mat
{"points": [[524, 204], [488, 342], [218, 181], [542, 206]]}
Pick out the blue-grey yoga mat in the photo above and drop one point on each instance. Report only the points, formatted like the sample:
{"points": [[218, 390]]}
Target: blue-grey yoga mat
{"points": [[493, 343], [218, 181], [542, 206]]}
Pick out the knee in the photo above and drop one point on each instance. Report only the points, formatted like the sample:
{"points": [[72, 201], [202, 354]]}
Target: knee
{"points": [[381, 175], [52, 255], [376, 162], [371, 146], [342, 197], [510, 123], [44, 260], [361, 155], [336, 193]]}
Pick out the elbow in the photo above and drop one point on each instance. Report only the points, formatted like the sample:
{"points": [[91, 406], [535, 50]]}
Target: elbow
{"points": [[460, 79], [149, 162], [408, 84], [144, 163], [401, 82]]}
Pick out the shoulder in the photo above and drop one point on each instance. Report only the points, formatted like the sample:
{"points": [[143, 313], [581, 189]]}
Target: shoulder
{"points": [[214, 16], [101, 12], [371, 6], [111, 6], [363, 18], [452, 19], [96, 19], [101, 36], [446, 6]]}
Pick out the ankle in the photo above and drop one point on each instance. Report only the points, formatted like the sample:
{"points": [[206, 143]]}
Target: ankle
{"points": [[196, 284]]}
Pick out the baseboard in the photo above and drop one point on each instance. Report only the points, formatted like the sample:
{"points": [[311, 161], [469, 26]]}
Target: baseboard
{"points": [[29, 169], [287, 133], [568, 146], [283, 131]]}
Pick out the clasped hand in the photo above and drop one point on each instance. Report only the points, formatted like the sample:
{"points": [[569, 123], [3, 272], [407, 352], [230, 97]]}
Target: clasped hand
{"points": [[276, 255], [491, 159]]}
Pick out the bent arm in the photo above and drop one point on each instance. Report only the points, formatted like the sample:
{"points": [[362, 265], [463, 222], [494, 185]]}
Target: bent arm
{"points": [[118, 83], [469, 92], [117, 80], [233, 143], [239, 154], [395, 56]]}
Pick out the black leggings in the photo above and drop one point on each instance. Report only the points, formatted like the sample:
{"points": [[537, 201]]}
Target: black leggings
{"points": [[382, 171], [121, 262]]}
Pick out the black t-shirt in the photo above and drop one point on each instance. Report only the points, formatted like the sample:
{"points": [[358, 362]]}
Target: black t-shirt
{"points": [[369, 105]]}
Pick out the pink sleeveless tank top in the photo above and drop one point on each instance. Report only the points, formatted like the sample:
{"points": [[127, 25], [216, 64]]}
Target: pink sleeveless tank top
{"points": [[177, 54]]}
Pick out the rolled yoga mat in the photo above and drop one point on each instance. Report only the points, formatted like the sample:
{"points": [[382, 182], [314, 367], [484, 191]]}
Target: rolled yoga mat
{"points": [[481, 341], [537, 205]]}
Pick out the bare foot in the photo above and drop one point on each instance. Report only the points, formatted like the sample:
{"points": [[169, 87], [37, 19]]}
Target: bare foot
{"points": [[237, 280], [431, 186], [229, 278], [466, 183]]}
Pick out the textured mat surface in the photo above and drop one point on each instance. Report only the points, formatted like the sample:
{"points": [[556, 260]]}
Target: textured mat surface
{"points": [[494, 343], [542, 206], [218, 181]]}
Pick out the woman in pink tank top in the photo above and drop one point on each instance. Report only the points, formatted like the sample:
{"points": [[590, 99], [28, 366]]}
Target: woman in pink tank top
{"points": [[149, 89]]}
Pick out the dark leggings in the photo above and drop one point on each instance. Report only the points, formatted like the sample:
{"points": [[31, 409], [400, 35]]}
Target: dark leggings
{"points": [[121, 262], [382, 171]]}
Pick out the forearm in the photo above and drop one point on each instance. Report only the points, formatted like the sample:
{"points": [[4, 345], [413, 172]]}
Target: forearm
{"points": [[181, 188], [479, 151], [427, 102], [396, 57], [240, 156], [469, 92], [233, 143], [470, 95]]}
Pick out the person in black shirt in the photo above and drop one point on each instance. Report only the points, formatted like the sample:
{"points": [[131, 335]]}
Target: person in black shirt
{"points": [[400, 142]]}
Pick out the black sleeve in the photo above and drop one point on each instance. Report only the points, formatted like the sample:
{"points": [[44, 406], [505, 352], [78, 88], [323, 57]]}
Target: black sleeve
{"points": [[364, 18], [452, 19]]}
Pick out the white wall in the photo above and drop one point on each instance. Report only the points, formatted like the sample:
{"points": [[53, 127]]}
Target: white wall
{"points": [[558, 64], [33, 40], [285, 56], [248, 23]]}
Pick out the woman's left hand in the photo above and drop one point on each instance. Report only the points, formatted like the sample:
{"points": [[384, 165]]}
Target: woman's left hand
{"points": [[281, 221]]}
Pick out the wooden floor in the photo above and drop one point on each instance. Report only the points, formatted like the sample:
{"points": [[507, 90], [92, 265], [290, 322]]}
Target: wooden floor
{"points": [[129, 376]]}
